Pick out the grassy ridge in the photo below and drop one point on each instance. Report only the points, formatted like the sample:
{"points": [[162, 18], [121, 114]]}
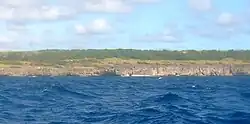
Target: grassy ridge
{"points": [[99, 58], [112, 62], [127, 54]]}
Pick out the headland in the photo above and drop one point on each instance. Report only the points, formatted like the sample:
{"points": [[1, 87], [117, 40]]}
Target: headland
{"points": [[125, 62]]}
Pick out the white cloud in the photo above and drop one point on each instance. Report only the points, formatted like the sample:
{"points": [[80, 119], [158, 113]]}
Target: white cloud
{"points": [[211, 32], [30, 10], [16, 36], [21, 3], [98, 26], [8, 41], [226, 19], [5, 39], [224, 27], [17, 27], [145, 1], [169, 35], [108, 6], [200, 5], [37, 10], [215, 23], [111, 6]]}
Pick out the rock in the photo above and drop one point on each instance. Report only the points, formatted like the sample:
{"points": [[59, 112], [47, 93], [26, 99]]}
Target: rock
{"points": [[136, 69]]}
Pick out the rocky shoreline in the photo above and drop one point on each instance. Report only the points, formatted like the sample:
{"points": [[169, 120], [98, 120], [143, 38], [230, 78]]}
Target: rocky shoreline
{"points": [[132, 70]]}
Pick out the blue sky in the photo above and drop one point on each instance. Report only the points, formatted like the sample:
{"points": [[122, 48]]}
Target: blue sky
{"points": [[139, 24]]}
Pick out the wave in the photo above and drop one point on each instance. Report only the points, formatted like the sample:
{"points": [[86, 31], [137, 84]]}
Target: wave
{"points": [[168, 98], [245, 95], [230, 118], [62, 90], [63, 100]]}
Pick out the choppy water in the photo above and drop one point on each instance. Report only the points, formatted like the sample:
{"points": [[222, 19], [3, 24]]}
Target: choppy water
{"points": [[117, 100]]}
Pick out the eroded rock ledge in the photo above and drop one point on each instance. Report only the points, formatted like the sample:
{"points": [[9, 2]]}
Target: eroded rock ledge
{"points": [[134, 70]]}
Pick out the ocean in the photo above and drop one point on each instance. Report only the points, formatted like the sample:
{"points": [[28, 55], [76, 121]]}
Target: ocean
{"points": [[125, 100]]}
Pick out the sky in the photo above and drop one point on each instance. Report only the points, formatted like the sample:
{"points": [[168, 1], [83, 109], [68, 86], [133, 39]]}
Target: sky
{"points": [[128, 24]]}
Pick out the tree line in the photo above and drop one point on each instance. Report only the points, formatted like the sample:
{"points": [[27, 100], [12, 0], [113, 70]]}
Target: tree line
{"points": [[54, 55]]}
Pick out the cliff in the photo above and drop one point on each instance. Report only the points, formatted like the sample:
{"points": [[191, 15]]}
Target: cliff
{"points": [[189, 70], [125, 62], [132, 70]]}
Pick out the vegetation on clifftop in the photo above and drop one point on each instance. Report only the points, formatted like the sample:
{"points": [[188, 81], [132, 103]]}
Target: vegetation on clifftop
{"points": [[92, 61], [54, 55], [110, 57]]}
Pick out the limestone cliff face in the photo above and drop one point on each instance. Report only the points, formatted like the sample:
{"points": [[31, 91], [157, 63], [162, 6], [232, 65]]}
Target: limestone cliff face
{"points": [[191, 70], [136, 69]]}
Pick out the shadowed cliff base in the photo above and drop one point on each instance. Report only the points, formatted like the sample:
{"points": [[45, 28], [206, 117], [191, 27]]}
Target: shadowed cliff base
{"points": [[125, 62]]}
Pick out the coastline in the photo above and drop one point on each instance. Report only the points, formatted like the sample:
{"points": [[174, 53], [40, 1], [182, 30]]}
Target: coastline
{"points": [[131, 70], [125, 63]]}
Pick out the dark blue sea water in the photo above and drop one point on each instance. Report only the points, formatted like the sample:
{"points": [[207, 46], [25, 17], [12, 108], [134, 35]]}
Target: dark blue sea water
{"points": [[118, 100]]}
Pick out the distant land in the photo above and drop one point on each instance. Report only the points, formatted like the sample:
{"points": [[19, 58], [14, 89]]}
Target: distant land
{"points": [[125, 62]]}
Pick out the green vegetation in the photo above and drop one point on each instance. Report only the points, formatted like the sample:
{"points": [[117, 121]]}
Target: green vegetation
{"points": [[92, 62], [97, 57], [126, 54]]}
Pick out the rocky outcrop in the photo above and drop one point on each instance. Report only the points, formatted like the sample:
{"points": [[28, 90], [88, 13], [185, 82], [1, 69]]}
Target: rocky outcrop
{"points": [[133, 70], [188, 69]]}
